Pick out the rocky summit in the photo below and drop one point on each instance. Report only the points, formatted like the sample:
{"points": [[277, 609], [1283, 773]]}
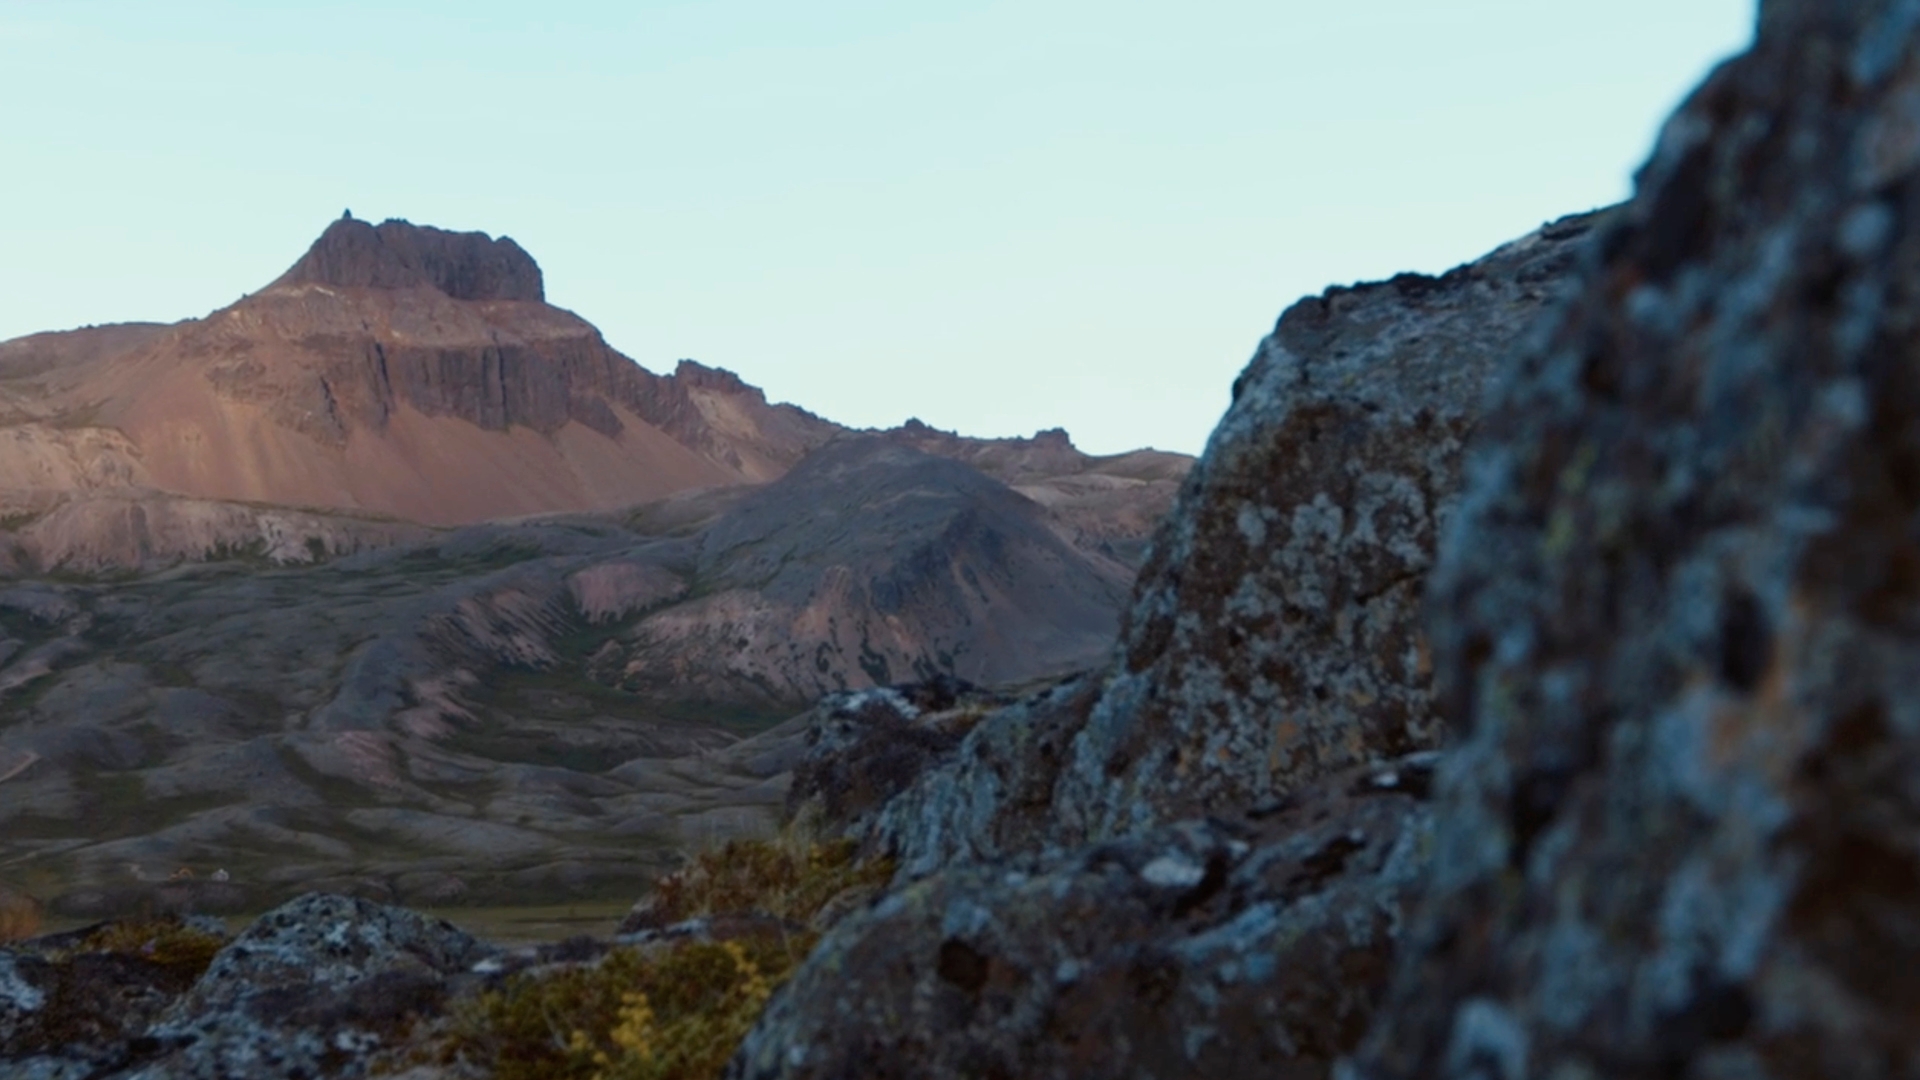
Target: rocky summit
{"points": [[354, 254], [1520, 686]]}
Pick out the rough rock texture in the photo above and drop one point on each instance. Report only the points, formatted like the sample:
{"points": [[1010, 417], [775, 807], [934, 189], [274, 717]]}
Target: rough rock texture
{"points": [[316, 988], [401, 255], [312, 988], [865, 747], [1063, 908], [1274, 635], [1679, 615], [1209, 948], [66, 1010]]}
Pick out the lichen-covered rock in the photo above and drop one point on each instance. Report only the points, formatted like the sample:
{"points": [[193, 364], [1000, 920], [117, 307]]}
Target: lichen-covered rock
{"points": [[865, 747], [77, 1003], [994, 795], [1274, 635], [1256, 947], [1680, 615], [314, 988]]}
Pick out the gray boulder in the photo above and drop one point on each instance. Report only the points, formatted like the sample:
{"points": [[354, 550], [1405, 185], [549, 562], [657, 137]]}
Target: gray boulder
{"points": [[1679, 615], [1205, 948], [1274, 637], [1195, 862], [313, 988]]}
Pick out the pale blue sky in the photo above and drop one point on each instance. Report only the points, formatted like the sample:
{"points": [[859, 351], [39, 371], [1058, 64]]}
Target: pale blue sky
{"points": [[995, 216]]}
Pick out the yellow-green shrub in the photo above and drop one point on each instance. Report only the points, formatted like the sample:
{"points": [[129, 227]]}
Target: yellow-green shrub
{"points": [[667, 1011], [671, 1014], [170, 943]]}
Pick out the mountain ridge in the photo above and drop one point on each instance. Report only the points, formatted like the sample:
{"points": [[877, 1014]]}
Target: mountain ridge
{"points": [[411, 372]]}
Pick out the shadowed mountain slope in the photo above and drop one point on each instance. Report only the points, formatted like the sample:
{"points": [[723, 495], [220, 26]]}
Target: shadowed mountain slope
{"points": [[877, 558]]}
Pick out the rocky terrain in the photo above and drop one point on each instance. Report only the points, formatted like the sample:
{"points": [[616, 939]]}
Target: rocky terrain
{"points": [[1664, 664], [1521, 687], [1154, 869]]}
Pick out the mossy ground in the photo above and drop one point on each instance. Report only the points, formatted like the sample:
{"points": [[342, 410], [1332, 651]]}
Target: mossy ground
{"points": [[168, 943], [674, 1013], [669, 1010]]}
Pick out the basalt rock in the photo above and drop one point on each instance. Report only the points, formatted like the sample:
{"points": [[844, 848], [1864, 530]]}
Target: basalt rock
{"points": [[1208, 948], [1274, 635], [401, 255], [1679, 615], [69, 1008], [314, 988], [865, 747], [1070, 902], [416, 373]]}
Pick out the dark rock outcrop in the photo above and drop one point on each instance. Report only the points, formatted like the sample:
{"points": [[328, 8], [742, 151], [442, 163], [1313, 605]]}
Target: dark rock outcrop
{"points": [[1679, 616], [401, 255], [865, 747], [1208, 948], [1275, 633], [68, 1010], [1274, 636], [316, 988], [1064, 909], [313, 988]]}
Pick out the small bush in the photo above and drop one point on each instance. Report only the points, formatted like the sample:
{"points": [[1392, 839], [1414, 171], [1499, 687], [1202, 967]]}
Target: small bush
{"points": [[670, 1010], [674, 1013], [169, 943]]}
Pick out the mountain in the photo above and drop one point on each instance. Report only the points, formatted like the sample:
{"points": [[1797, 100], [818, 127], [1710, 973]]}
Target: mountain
{"points": [[874, 557], [392, 572], [397, 370], [542, 708], [401, 373]]}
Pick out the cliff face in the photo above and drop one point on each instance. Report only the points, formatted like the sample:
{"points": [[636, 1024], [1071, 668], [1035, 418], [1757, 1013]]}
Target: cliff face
{"points": [[1274, 636], [354, 254]]}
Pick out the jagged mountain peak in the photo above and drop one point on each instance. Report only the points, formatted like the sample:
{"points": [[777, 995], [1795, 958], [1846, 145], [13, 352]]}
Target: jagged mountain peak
{"points": [[398, 254]]}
